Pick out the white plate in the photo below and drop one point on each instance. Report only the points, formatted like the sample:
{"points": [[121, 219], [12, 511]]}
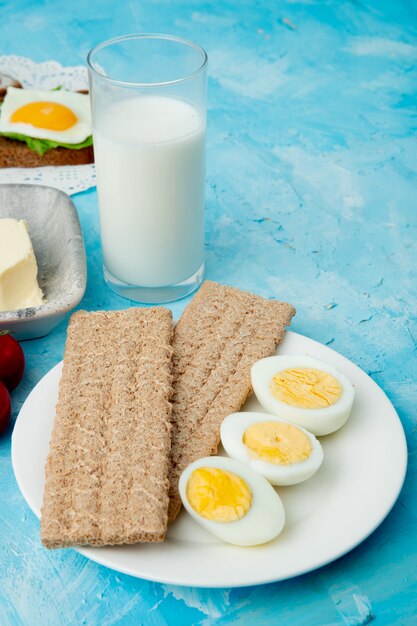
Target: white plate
{"points": [[360, 479]]}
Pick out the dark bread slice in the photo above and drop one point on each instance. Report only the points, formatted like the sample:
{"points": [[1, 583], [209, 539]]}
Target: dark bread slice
{"points": [[218, 338], [106, 475], [15, 153]]}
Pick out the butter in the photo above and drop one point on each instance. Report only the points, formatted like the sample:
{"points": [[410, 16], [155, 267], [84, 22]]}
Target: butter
{"points": [[19, 287]]}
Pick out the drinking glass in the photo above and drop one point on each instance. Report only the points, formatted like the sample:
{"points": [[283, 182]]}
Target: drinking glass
{"points": [[148, 98]]}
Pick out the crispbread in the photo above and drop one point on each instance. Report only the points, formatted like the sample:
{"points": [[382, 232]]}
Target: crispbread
{"points": [[107, 469], [221, 333]]}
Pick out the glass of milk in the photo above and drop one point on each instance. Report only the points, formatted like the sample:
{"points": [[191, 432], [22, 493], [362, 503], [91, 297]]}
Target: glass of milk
{"points": [[148, 98]]}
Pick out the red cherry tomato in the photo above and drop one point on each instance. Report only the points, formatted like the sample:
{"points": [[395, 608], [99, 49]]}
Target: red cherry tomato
{"points": [[5, 408], [12, 361]]}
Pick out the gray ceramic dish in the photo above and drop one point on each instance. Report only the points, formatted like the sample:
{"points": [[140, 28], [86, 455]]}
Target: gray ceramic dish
{"points": [[58, 243]]}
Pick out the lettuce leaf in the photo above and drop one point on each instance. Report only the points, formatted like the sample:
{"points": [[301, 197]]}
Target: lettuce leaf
{"points": [[42, 145]]}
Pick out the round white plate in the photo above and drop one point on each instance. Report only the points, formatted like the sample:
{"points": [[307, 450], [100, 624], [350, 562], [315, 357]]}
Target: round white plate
{"points": [[360, 479]]}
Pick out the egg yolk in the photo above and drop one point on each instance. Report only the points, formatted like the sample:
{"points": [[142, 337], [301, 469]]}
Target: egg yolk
{"points": [[218, 495], [306, 388], [50, 115], [277, 442]]}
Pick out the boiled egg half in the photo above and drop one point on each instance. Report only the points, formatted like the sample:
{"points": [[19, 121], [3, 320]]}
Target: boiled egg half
{"points": [[231, 501], [61, 116], [285, 454], [303, 390]]}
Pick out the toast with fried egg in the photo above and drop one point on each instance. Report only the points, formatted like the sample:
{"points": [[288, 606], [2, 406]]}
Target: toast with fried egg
{"points": [[39, 128]]}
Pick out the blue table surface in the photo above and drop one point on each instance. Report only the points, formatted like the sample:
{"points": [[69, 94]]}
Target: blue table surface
{"points": [[311, 198]]}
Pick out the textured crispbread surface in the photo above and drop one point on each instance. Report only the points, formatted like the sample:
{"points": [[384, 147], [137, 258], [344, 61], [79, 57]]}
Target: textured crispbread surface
{"points": [[220, 335], [106, 476]]}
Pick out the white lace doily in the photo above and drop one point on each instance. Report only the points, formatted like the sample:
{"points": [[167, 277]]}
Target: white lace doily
{"points": [[69, 178]]}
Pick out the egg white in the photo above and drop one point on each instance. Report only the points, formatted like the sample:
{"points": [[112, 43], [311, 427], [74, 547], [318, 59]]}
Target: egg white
{"points": [[232, 431], [77, 102], [318, 421], [264, 520]]}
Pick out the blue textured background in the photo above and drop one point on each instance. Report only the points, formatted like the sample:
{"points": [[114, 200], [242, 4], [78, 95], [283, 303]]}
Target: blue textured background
{"points": [[311, 197]]}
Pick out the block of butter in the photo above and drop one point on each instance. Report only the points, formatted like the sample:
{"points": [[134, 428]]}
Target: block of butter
{"points": [[19, 287]]}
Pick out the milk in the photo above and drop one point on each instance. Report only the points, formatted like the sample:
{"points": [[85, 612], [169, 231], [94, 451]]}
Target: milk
{"points": [[149, 154]]}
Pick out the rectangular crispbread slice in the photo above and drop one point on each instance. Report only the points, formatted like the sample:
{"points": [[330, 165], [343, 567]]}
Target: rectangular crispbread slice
{"points": [[106, 476], [218, 338]]}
